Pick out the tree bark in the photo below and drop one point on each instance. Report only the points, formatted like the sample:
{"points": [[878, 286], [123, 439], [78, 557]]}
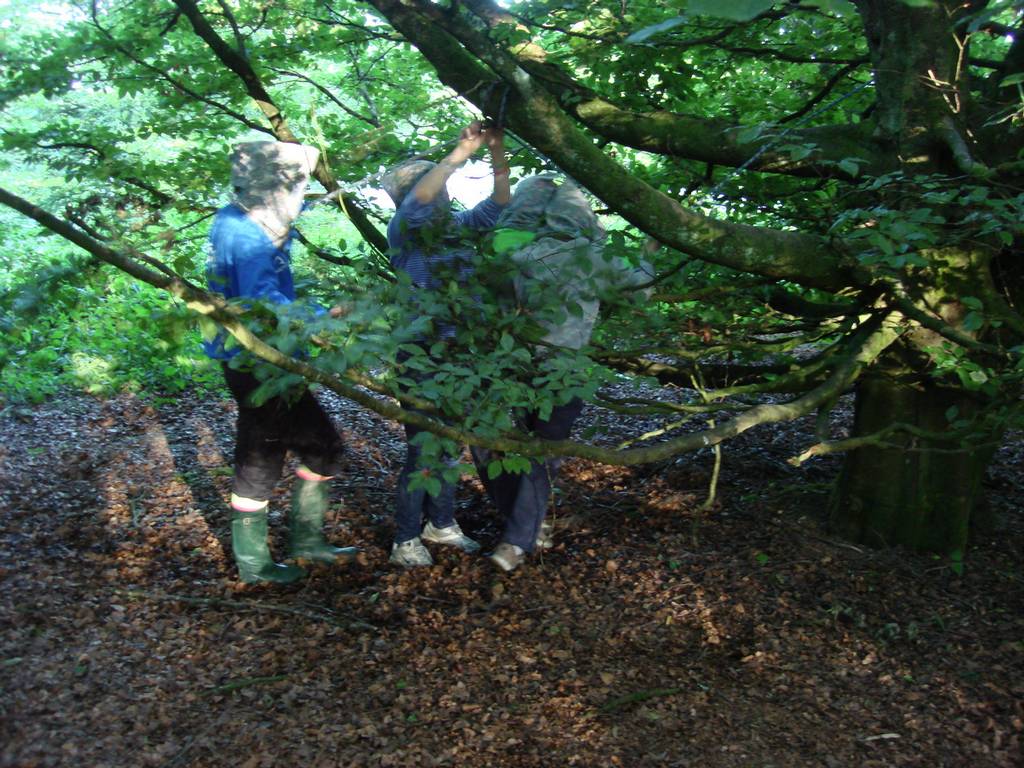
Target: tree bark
{"points": [[918, 493], [912, 490]]}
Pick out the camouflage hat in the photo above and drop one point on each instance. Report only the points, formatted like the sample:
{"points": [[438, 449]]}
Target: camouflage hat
{"points": [[262, 166], [400, 180]]}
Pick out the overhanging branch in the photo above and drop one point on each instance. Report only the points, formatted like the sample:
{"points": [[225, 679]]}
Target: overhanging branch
{"points": [[670, 133], [537, 117], [865, 346]]}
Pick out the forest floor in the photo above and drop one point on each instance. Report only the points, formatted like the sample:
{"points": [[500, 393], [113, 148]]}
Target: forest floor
{"points": [[652, 635]]}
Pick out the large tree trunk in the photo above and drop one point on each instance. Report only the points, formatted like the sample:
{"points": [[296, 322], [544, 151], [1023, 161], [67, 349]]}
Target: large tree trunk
{"points": [[919, 494]]}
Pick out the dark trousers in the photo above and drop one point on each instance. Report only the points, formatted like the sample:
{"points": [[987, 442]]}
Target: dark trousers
{"points": [[413, 507], [522, 499], [265, 433]]}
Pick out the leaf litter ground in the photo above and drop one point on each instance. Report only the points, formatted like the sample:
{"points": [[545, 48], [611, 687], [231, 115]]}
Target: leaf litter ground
{"points": [[652, 635]]}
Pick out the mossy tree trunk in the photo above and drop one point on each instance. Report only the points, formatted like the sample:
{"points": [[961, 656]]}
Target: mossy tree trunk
{"points": [[909, 490], [917, 493]]}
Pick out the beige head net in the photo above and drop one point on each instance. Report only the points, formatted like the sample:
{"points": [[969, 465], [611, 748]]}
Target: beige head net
{"points": [[269, 179]]}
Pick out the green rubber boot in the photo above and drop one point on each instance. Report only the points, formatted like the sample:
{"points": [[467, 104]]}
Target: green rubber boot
{"points": [[252, 555], [305, 524]]}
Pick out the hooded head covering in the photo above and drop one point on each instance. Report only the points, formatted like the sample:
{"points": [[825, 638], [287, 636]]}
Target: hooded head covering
{"points": [[550, 204], [562, 272], [269, 179], [400, 180]]}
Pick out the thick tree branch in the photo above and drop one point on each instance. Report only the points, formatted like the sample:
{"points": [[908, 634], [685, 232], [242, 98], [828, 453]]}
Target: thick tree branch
{"points": [[673, 134], [959, 440], [865, 346], [537, 118]]}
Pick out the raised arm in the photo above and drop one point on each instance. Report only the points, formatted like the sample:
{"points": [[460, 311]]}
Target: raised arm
{"points": [[494, 138], [433, 182]]}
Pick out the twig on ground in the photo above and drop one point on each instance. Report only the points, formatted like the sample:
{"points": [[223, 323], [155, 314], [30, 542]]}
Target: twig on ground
{"points": [[633, 698], [243, 682], [823, 539]]}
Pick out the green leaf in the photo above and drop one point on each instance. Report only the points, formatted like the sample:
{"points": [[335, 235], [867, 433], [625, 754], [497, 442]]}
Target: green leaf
{"points": [[655, 29], [493, 469], [749, 133], [800, 151], [506, 240], [516, 464], [1015, 79], [850, 166], [973, 321], [838, 7], [733, 10], [956, 562], [432, 486]]}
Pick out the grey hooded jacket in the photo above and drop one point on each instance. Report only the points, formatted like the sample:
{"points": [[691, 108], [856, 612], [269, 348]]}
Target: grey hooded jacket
{"points": [[563, 273]]}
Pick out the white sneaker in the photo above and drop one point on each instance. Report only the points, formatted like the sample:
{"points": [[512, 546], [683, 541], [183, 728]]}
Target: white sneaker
{"points": [[545, 536], [506, 556], [410, 553], [451, 535]]}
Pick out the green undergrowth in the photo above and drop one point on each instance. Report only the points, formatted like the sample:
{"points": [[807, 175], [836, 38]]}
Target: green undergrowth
{"points": [[101, 335], [70, 323]]}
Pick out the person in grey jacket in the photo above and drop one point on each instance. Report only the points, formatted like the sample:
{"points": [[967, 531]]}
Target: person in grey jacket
{"points": [[559, 278]]}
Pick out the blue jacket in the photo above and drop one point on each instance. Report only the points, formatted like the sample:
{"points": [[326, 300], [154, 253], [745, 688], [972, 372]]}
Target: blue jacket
{"points": [[410, 251], [243, 263], [425, 242]]}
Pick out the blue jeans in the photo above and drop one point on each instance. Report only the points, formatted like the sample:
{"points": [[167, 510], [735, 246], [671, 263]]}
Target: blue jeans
{"points": [[411, 507], [522, 499]]}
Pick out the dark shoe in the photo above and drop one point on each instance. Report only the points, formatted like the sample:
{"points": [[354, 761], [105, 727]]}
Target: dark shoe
{"points": [[252, 555], [306, 522]]}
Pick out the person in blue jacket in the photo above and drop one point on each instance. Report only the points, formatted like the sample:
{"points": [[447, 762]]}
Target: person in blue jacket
{"points": [[249, 257], [427, 242]]}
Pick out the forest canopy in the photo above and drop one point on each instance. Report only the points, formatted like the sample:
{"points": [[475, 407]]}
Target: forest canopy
{"points": [[830, 194]]}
